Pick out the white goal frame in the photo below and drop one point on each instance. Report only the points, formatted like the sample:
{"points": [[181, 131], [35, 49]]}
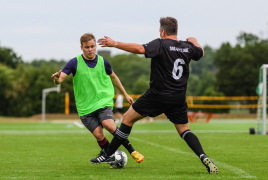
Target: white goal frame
{"points": [[44, 95], [262, 114]]}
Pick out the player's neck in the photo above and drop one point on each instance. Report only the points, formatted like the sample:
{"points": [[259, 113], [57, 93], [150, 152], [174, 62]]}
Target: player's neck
{"points": [[173, 37], [85, 57]]}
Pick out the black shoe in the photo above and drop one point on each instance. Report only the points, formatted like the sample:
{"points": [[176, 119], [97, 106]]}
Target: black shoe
{"points": [[211, 167], [103, 158]]}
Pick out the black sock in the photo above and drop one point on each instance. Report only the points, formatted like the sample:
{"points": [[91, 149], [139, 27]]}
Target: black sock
{"points": [[126, 144], [121, 135], [104, 144], [192, 142]]}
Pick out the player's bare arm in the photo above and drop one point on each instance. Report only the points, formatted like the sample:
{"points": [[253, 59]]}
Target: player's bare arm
{"points": [[129, 47], [59, 77], [116, 82], [195, 42]]}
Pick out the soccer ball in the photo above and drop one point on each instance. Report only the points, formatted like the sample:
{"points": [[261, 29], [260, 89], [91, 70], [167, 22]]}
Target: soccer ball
{"points": [[120, 159]]}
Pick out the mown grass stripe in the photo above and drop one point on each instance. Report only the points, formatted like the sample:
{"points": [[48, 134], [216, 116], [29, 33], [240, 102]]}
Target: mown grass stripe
{"points": [[134, 131]]}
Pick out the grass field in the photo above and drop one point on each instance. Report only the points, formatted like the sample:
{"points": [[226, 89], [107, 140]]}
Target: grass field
{"points": [[62, 150]]}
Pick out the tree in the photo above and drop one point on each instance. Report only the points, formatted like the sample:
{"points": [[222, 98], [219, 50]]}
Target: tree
{"points": [[239, 66], [141, 85], [9, 57], [129, 68], [6, 83], [205, 63], [245, 38]]}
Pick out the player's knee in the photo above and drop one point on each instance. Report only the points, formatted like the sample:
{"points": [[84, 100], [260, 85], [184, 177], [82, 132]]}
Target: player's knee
{"points": [[110, 128], [125, 116], [126, 119]]}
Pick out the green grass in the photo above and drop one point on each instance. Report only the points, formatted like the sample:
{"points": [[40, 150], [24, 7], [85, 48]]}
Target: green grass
{"points": [[63, 150]]}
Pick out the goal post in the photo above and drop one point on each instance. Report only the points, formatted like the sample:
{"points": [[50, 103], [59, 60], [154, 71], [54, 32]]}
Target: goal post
{"points": [[262, 100], [44, 95]]}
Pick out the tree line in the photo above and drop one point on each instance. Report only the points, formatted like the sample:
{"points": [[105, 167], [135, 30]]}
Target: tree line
{"points": [[227, 71]]}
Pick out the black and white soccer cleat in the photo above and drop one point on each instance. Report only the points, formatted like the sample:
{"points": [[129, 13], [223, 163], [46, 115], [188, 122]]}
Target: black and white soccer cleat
{"points": [[103, 158], [211, 167]]}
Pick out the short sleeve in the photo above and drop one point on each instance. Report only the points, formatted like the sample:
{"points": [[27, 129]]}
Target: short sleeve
{"points": [[152, 49], [108, 67], [197, 53], [70, 67]]}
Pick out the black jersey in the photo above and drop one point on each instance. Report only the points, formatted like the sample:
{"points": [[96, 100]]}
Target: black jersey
{"points": [[170, 67]]}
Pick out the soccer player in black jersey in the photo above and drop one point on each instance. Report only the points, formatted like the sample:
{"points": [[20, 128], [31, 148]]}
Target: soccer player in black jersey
{"points": [[170, 60]]}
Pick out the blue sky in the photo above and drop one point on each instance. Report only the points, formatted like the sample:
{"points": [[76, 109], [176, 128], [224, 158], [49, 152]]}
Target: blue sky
{"points": [[46, 29]]}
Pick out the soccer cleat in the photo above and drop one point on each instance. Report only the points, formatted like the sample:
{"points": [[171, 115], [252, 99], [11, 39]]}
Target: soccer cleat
{"points": [[103, 158], [137, 156], [211, 167]]}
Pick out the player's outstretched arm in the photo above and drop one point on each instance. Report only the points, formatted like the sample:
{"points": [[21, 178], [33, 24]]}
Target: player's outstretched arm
{"points": [[129, 47], [194, 41], [116, 82], [59, 77]]}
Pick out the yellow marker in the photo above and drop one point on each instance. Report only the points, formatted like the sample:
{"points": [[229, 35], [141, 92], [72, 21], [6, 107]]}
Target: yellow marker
{"points": [[67, 100]]}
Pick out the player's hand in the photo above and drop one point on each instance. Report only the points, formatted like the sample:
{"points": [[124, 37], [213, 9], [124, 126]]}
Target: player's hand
{"points": [[106, 42], [192, 40], [129, 99], [56, 75]]}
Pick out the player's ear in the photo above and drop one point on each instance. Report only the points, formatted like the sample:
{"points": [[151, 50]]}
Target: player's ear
{"points": [[164, 33]]}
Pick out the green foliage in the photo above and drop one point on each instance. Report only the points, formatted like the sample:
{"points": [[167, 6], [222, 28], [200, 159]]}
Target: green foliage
{"points": [[38, 63], [6, 80], [205, 63], [202, 74], [131, 68], [9, 57], [239, 67], [141, 85], [204, 86], [245, 38], [21, 91], [197, 85]]}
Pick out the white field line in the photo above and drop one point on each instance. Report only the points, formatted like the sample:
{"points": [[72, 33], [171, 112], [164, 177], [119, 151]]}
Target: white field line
{"points": [[78, 124], [64, 121], [234, 169], [195, 131], [211, 121]]}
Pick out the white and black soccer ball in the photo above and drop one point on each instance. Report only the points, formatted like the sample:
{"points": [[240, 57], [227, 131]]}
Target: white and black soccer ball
{"points": [[120, 159]]}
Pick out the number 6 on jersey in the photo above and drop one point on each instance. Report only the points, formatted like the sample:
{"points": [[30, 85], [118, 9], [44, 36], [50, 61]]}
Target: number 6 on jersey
{"points": [[178, 67]]}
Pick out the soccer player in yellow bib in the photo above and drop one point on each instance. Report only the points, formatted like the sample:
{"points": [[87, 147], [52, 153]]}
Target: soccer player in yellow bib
{"points": [[94, 81]]}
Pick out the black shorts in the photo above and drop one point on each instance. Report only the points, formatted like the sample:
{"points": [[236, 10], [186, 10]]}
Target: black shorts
{"points": [[94, 119], [149, 105], [119, 110]]}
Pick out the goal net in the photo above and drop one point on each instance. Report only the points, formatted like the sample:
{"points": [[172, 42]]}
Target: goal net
{"points": [[262, 100]]}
